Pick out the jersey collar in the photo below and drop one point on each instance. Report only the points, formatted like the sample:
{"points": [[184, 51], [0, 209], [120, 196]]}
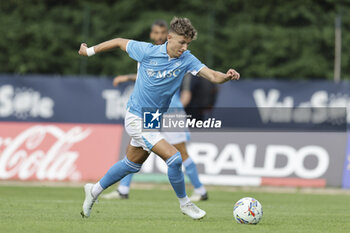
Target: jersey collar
{"points": [[163, 50], [163, 47]]}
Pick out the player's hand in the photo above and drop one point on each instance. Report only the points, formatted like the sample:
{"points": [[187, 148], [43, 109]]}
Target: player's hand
{"points": [[231, 74], [82, 50], [120, 79]]}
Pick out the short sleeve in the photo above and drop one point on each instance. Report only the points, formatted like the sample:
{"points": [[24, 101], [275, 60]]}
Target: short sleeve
{"points": [[137, 50], [194, 65]]}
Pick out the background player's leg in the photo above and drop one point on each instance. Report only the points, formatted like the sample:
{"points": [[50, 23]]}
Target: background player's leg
{"points": [[124, 185], [200, 192]]}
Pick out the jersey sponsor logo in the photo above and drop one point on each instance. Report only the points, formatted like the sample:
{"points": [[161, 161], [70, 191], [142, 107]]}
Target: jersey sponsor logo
{"points": [[163, 73]]}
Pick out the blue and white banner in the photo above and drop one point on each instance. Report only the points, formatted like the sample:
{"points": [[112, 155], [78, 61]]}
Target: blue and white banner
{"points": [[62, 99], [271, 96], [280, 158]]}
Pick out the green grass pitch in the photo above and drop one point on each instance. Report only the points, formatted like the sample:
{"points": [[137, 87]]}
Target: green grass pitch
{"points": [[56, 209]]}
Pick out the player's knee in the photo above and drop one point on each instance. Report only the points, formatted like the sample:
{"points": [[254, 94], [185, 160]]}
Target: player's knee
{"points": [[131, 166], [174, 168], [175, 161], [135, 170]]}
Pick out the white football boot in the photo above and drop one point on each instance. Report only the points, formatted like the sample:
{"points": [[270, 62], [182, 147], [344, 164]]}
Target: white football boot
{"points": [[88, 202], [192, 211]]}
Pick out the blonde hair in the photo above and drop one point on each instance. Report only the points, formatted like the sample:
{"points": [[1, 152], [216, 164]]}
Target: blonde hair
{"points": [[183, 27]]}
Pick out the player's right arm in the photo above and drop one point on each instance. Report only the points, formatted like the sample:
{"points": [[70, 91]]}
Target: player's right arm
{"points": [[105, 46], [123, 79], [137, 50]]}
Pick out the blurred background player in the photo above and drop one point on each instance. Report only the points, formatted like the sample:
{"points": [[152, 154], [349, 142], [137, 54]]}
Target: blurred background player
{"points": [[198, 96], [158, 35]]}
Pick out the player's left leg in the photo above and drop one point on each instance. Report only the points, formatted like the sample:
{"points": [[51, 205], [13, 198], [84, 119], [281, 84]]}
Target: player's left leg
{"points": [[200, 193], [179, 139], [176, 177]]}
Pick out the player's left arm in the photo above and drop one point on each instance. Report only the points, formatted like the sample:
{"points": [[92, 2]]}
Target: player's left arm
{"points": [[104, 46], [218, 77]]}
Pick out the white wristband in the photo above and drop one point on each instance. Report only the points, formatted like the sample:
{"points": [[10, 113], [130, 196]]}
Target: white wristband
{"points": [[90, 51]]}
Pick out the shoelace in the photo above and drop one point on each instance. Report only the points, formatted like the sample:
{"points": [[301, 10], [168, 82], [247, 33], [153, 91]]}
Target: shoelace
{"points": [[192, 206]]}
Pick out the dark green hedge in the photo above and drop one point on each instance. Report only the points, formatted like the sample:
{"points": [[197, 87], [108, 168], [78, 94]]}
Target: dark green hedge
{"points": [[261, 39]]}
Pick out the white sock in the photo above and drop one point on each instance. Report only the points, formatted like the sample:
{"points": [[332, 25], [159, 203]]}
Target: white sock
{"points": [[123, 189], [201, 190], [96, 190], [183, 201]]}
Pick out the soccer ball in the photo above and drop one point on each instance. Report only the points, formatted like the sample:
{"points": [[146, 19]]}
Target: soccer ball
{"points": [[248, 211]]}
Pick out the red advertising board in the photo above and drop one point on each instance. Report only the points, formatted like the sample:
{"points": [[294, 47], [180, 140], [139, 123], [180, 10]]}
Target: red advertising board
{"points": [[57, 151]]}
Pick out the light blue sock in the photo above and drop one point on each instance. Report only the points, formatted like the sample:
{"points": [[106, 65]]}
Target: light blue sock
{"points": [[192, 173], [118, 171], [126, 180], [175, 175]]}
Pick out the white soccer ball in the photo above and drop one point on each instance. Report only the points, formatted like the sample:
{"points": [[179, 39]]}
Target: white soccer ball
{"points": [[248, 211]]}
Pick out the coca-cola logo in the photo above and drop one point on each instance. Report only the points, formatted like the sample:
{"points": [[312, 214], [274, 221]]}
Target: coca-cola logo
{"points": [[42, 152]]}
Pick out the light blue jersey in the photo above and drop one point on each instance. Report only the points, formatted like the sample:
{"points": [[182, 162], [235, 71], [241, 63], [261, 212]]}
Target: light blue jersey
{"points": [[158, 76]]}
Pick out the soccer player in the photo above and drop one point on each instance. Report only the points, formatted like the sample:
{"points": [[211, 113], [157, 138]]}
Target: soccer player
{"points": [[159, 32], [160, 73]]}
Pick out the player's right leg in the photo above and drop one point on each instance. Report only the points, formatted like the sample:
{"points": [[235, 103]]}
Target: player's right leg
{"points": [[122, 191], [130, 164], [119, 170]]}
